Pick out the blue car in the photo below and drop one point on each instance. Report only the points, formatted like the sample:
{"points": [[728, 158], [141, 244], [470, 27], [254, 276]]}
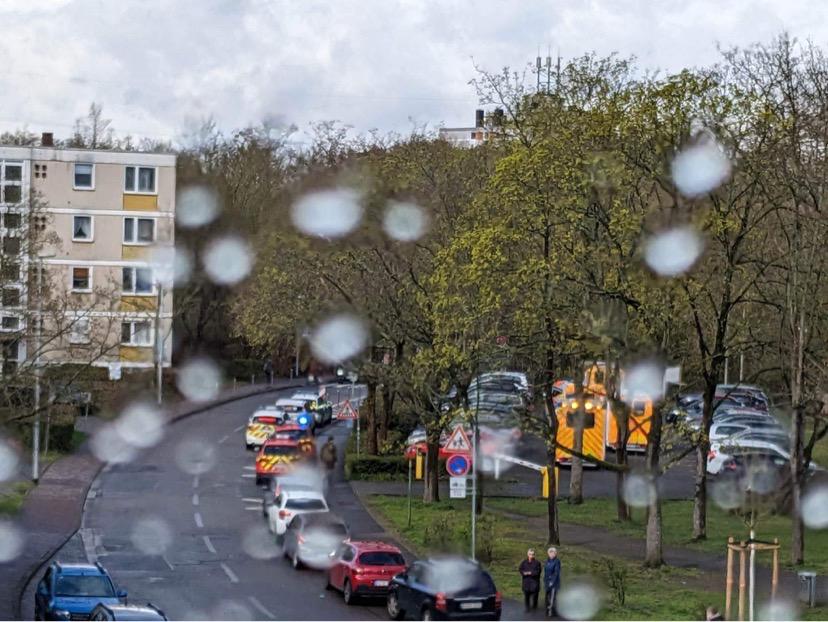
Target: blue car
{"points": [[72, 591]]}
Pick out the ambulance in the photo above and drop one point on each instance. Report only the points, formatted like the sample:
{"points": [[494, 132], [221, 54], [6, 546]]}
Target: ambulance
{"points": [[640, 415], [567, 405]]}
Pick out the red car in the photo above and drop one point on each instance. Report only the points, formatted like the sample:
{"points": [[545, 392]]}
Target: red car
{"points": [[364, 569]]}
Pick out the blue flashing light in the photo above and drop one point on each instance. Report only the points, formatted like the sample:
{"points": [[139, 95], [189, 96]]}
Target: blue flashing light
{"points": [[303, 420]]}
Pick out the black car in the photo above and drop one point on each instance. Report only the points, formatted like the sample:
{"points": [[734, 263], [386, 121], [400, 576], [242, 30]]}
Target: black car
{"points": [[450, 588], [127, 612], [312, 539]]}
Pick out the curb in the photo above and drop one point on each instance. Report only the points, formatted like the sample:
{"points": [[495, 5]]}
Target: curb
{"points": [[24, 579]]}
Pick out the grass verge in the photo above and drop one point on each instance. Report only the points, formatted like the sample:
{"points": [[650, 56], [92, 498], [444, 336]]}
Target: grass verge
{"points": [[12, 499]]}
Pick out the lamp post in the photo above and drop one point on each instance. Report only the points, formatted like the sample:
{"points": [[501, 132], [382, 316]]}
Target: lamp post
{"points": [[159, 344], [38, 369]]}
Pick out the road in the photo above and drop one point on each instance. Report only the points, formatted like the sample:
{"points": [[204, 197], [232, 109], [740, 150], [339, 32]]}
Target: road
{"points": [[219, 561]]}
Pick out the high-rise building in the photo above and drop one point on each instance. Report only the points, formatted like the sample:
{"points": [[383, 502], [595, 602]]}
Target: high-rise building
{"points": [[100, 224]]}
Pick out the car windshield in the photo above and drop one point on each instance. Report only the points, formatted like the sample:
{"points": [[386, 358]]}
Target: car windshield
{"points": [[280, 450], [84, 585], [381, 558], [305, 504]]}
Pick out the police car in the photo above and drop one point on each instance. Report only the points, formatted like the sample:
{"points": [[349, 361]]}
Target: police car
{"points": [[260, 426], [288, 408], [321, 408]]}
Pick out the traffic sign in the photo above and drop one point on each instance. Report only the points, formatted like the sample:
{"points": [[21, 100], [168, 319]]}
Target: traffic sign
{"points": [[458, 442], [347, 411], [457, 465], [457, 488]]}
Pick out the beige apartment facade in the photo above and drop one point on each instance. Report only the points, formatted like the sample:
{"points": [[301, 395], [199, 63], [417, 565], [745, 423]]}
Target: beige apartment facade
{"points": [[100, 225]]}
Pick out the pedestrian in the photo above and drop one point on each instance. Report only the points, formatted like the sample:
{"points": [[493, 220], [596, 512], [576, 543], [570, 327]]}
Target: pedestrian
{"points": [[530, 572], [328, 456], [268, 371], [551, 579], [713, 614]]}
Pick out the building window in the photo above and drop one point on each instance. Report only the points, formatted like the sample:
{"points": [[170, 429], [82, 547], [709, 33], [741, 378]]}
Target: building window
{"points": [[11, 246], [10, 322], [10, 271], [80, 330], [136, 333], [137, 280], [139, 230], [11, 182], [139, 179], [84, 177], [81, 279], [40, 171], [11, 297], [82, 229], [11, 220]]}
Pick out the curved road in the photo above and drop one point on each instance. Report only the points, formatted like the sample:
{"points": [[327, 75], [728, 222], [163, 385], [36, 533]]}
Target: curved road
{"points": [[212, 519]]}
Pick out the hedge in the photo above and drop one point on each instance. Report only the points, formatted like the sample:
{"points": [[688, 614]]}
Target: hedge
{"points": [[376, 467]]}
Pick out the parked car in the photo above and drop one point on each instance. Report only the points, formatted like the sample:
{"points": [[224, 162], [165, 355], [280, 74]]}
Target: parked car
{"points": [[723, 430], [312, 539], [721, 452], [127, 612], [292, 503], [364, 568], [72, 591], [449, 588]]}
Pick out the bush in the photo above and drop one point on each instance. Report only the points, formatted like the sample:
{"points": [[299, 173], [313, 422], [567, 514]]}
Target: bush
{"points": [[376, 467], [244, 368], [440, 536], [61, 437]]}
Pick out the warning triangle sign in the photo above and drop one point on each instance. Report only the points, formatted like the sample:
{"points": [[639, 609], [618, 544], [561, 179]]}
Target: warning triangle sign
{"points": [[458, 442], [347, 411]]}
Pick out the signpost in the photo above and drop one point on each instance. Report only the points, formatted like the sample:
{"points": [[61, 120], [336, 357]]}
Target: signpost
{"points": [[349, 412], [457, 487]]}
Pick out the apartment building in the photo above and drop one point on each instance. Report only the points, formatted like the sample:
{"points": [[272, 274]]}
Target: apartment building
{"points": [[100, 226], [467, 136]]}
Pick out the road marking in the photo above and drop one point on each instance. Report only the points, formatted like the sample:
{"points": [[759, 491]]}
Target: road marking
{"points": [[167, 561], [223, 438], [251, 475], [256, 509], [195, 498], [230, 574], [239, 429], [249, 468], [255, 602], [199, 523], [209, 544], [195, 482], [252, 500]]}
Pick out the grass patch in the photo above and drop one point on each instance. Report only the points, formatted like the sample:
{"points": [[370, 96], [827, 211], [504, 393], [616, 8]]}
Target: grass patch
{"points": [[662, 594], [677, 525], [12, 499]]}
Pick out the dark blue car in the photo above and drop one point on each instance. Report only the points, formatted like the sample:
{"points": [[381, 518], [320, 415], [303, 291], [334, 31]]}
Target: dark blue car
{"points": [[72, 591]]}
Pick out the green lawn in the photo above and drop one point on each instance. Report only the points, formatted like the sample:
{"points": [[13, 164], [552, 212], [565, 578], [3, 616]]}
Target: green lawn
{"points": [[677, 517], [12, 499], [663, 594]]}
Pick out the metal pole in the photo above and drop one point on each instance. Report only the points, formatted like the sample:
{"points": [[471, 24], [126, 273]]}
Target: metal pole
{"points": [[409, 490], [38, 337], [752, 577], [159, 347], [474, 491]]}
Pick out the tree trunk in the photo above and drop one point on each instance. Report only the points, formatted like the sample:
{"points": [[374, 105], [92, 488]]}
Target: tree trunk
{"points": [[702, 449], [797, 441], [653, 556], [553, 533], [431, 490], [384, 423], [622, 427], [371, 416], [576, 474]]}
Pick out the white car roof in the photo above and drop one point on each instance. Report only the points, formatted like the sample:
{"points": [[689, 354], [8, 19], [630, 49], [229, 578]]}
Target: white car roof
{"points": [[289, 401], [749, 443], [304, 494], [305, 395]]}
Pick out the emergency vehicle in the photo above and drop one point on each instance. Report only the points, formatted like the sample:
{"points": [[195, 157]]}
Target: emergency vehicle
{"points": [[260, 426], [288, 445], [640, 415], [567, 404], [288, 408]]}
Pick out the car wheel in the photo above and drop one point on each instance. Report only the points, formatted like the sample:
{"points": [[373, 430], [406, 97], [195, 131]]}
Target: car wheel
{"points": [[248, 446], [426, 614], [347, 593], [392, 605], [259, 481]]}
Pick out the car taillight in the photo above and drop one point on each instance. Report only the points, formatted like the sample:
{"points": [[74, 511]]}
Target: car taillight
{"points": [[283, 513], [440, 601], [498, 600]]}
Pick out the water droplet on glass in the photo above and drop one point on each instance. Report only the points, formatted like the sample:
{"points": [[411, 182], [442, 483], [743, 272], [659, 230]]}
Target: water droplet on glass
{"points": [[231, 610], [453, 574], [258, 543], [151, 536], [728, 493], [761, 478], [405, 222], [171, 266], [327, 214], [195, 456], [141, 425], [339, 338], [109, 446], [673, 252], [643, 380], [578, 600], [639, 491], [199, 380], [12, 540], [778, 610], [228, 260], [196, 206], [700, 168], [500, 442], [8, 461], [815, 508]]}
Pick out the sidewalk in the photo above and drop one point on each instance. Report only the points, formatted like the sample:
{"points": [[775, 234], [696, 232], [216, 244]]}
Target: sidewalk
{"points": [[52, 511]]}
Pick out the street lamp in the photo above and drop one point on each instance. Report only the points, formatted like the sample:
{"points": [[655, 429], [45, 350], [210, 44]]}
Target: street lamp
{"points": [[38, 370]]}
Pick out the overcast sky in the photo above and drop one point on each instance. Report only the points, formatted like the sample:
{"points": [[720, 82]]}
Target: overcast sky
{"points": [[159, 65]]}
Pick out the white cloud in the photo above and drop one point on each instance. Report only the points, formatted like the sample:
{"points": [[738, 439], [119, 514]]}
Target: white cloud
{"points": [[368, 63]]}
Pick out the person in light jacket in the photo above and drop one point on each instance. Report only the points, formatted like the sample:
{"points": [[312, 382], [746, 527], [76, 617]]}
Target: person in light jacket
{"points": [[530, 572], [551, 578]]}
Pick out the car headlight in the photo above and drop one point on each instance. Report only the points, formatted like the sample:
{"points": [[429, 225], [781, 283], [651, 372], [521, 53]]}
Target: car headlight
{"points": [[60, 614]]}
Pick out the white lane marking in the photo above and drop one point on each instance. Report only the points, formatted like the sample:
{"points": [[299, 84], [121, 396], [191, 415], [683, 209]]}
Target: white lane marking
{"points": [[209, 544], [256, 509], [167, 561], [195, 498], [223, 438], [199, 523], [195, 482], [251, 475], [255, 602], [239, 429], [249, 468], [252, 500], [230, 574]]}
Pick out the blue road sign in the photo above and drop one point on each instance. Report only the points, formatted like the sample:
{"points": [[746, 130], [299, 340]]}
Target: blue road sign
{"points": [[458, 465]]}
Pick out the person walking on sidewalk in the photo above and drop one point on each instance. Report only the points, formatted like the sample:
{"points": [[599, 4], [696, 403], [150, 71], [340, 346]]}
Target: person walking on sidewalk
{"points": [[328, 456], [551, 579], [530, 572]]}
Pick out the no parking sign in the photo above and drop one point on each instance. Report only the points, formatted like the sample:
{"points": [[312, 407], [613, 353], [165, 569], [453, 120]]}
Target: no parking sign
{"points": [[458, 465]]}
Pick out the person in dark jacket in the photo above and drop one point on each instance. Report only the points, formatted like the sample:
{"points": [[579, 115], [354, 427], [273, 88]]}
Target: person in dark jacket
{"points": [[551, 578], [530, 572]]}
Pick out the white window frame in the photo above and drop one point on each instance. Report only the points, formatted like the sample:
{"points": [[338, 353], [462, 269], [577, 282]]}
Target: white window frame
{"points": [[71, 279], [19, 183], [11, 330], [74, 177], [91, 237], [133, 291], [135, 220], [78, 337], [132, 343], [135, 190]]}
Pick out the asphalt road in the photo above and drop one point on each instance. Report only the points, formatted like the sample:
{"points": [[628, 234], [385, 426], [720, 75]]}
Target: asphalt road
{"points": [[214, 523]]}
